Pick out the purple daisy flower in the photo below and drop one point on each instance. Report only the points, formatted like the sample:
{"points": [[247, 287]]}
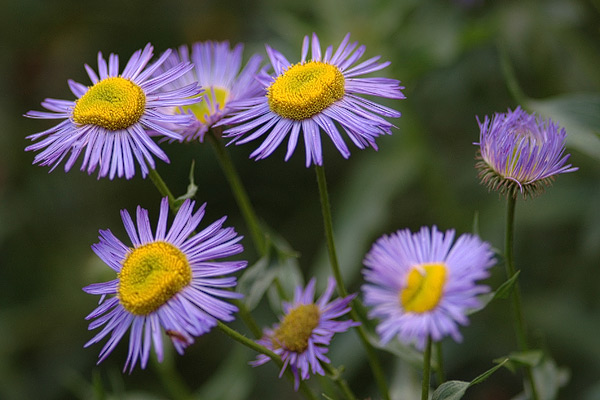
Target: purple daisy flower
{"points": [[167, 281], [314, 95], [303, 334], [520, 153], [422, 284], [217, 70], [112, 118]]}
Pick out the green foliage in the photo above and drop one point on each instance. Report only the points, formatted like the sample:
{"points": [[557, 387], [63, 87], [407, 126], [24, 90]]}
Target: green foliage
{"points": [[455, 390]]}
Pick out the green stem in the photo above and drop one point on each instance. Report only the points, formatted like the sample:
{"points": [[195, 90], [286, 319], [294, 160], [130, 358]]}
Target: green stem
{"points": [[170, 378], [162, 188], [251, 344], [519, 319], [426, 370], [243, 311], [439, 366], [335, 375], [239, 192], [328, 225]]}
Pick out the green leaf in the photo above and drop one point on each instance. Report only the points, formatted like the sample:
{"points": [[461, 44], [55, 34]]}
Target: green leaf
{"points": [[501, 293], [506, 288], [451, 390], [397, 348], [191, 189], [455, 390], [255, 281], [579, 114], [529, 358]]}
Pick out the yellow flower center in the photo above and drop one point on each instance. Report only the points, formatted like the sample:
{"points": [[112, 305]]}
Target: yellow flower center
{"points": [[424, 287], [113, 103], [151, 275], [296, 328], [201, 109], [305, 90]]}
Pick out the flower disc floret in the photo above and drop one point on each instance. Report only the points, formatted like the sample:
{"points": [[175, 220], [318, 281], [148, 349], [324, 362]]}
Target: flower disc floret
{"points": [[304, 90], [424, 284], [110, 123], [520, 153], [320, 96], [113, 103], [171, 280], [218, 70], [151, 275], [302, 337], [424, 287], [297, 326]]}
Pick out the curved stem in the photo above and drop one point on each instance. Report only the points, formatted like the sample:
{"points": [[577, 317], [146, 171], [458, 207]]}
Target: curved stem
{"points": [[519, 319], [245, 315], [162, 188], [335, 375], [426, 370], [328, 225], [239, 192], [171, 379], [251, 344]]}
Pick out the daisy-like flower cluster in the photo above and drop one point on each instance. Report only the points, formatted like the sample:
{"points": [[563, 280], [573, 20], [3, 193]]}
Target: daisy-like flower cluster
{"points": [[217, 71], [520, 153], [112, 119], [312, 96], [302, 336], [169, 280], [423, 284]]}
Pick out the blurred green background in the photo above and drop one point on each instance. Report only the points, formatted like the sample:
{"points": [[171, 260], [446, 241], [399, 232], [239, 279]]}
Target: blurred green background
{"points": [[447, 55]]}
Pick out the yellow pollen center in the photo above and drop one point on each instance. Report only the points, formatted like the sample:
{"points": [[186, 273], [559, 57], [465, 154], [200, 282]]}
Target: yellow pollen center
{"points": [[204, 108], [304, 90], [113, 103], [151, 275], [424, 287], [296, 328]]}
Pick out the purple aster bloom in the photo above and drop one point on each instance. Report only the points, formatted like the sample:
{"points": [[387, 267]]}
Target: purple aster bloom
{"points": [[167, 281], [520, 153], [303, 334], [321, 94], [112, 118], [422, 284], [217, 70]]}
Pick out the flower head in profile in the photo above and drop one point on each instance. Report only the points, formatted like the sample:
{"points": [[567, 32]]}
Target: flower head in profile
{"points": [[423, 284], [111, 119], [217, 70], [170, 280], [520, 153], [322, 93], [304, 332]]}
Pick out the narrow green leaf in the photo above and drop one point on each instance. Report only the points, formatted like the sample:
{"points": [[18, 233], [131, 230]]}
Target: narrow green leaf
{"points": [[455, 390], [191, 189], [517, 360], [397, 348], [506, 288], [255, 281], [451, 390]]}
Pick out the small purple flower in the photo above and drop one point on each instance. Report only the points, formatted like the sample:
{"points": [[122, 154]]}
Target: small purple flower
{"points": [[422, 284], [520, 153], [112, 119], [217, 71], [167, 281], [321, 94], [303, 334]]}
